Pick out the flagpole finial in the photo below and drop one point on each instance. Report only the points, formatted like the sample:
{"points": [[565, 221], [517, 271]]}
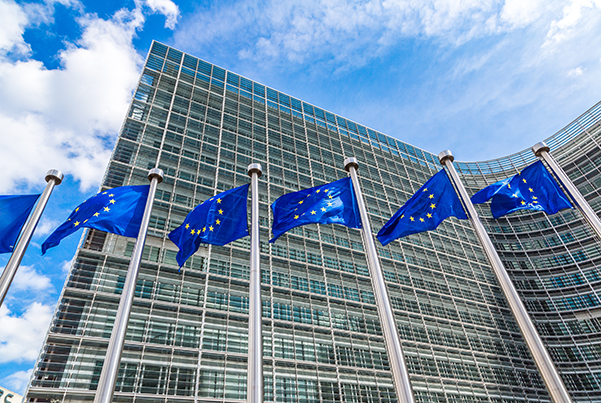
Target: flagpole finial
{"points": [[252, 168], [538, 148], [444, 156], [56, 175], [156, 173], [351, 162]]}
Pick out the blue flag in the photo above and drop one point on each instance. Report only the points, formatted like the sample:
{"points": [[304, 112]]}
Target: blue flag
{"points": [[532, 189], [14, 211], [118, 211], [333, 203], [427, 208], [217, 221]]}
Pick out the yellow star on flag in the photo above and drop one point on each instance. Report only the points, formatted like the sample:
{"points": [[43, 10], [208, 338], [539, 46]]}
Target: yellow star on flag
{"points": [[432, 205], [217, 222], [421, 219], [76, 223], [313, 212], [107, 209], [211, 228]]}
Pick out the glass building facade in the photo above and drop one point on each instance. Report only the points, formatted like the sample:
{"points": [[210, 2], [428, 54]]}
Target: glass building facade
{"points": [[322, 341]]}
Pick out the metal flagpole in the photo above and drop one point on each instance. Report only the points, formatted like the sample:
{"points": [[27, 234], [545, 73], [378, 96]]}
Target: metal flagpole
{"points": [[547, 369], [391, 336], [254, 383], [541, 150], [108, 376], [54, 178]]}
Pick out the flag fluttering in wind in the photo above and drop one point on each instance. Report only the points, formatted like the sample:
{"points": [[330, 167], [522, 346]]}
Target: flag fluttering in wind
{"points": [[332, 203], [14, 211], [532, 189], [435, 201], [118, 211], [217, 221]]}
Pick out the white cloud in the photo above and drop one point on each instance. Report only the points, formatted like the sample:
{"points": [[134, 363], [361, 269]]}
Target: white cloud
{"points": [[166, 7], [66, 266], [45, 227], [21, 337], [352, 31], [17, 382], [28, 279], [560, 30], [66, 118], [13, 20], [61, 118], [578, 71]]}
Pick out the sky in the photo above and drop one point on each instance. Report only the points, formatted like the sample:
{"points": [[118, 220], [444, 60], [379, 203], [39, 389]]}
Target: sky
{"points": [[483, 78]]}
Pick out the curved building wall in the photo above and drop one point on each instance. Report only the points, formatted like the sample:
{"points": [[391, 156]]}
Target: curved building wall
{"points": [[555, 260], [187, 337]]}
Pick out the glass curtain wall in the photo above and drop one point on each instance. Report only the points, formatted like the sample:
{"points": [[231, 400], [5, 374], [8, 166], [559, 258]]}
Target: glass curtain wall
{"points": [[322, 342]]}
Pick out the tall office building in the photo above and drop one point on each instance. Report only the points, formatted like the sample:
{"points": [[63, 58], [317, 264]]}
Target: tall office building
{"points": [[322, 341]]}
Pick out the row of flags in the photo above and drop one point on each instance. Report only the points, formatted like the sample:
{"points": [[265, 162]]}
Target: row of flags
{"points": [[223, 218]]}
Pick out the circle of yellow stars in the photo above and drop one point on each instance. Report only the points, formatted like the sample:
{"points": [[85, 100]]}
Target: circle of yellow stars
{"points": [[314, 212], [432, 206], [105, 209], [210, 228], [530, 190]]}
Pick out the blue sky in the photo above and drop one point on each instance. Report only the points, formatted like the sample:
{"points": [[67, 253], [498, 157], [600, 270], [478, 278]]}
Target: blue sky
{"points": [[483, 78]]}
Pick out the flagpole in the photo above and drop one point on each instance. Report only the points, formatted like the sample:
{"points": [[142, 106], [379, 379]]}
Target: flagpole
{"points": [[53, 178], [548, 372], [254, 383], [541, 150], [110, 369], [400, 375]]}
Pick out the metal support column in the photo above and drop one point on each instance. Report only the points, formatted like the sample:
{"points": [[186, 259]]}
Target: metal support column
{"points": [[254, 384], [110, 369], [541, 150], [543, 361], [391, 335], [54, 178]]}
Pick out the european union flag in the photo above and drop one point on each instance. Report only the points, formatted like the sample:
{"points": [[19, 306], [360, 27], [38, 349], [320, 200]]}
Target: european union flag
{"points": [[217, 221], [427, 208], [333, 203], [118, 211], [14, 211], [532, 189]]}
